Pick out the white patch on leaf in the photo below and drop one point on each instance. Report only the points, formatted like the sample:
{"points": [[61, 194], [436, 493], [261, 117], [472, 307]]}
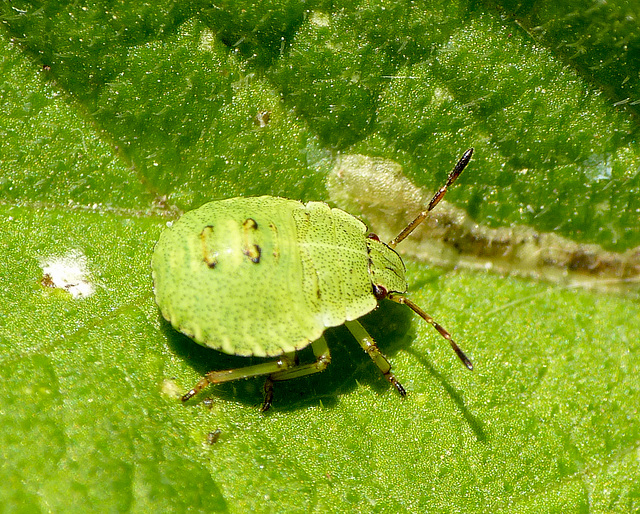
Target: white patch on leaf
{"points": [[69, 272]]}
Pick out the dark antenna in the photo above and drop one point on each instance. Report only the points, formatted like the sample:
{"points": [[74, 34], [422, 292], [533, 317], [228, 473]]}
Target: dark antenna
{"points": [[398, 298], [455, 173]]}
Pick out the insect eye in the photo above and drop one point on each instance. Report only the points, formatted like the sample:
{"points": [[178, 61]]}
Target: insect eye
{"points": [[379, 292], [373, 236]]}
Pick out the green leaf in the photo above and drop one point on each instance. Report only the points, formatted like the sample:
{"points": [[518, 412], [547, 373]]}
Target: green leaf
{"points": [[114, 118]]}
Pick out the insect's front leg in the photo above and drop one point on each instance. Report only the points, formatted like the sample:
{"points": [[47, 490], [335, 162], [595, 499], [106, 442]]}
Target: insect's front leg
{"points": [[398, 298]]}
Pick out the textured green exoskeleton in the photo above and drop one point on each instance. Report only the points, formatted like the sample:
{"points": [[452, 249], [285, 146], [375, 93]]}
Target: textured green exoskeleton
{"points": [[265, 277]]}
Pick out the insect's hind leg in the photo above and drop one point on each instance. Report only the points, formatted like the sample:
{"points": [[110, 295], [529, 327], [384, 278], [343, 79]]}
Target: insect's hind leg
{"points": [[285, 362], [369, 346], [323, 358]]}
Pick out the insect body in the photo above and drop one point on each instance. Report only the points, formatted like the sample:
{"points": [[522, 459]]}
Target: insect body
{"points": [[265, 277]]}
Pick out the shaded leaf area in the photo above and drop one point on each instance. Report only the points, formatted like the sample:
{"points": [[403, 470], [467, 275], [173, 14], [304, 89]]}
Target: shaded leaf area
{"points": [[197, 138], [599, 39], [141, 110], [51, 153], [415, 82], [548, 151]]}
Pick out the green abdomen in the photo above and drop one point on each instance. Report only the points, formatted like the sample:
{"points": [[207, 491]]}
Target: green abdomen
{"points": [[262, 276]]}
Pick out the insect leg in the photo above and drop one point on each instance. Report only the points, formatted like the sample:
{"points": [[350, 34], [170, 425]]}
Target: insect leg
{"points": [[217, 377], [323, 358], [369, 346], [398, 298]]}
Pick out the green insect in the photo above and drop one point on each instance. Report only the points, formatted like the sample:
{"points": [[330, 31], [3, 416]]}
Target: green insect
{"points": [[265, 277]]}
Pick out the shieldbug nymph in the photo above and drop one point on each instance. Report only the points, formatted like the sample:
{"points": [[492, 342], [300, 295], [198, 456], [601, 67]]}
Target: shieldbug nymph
{"points": [[265, 277]]}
